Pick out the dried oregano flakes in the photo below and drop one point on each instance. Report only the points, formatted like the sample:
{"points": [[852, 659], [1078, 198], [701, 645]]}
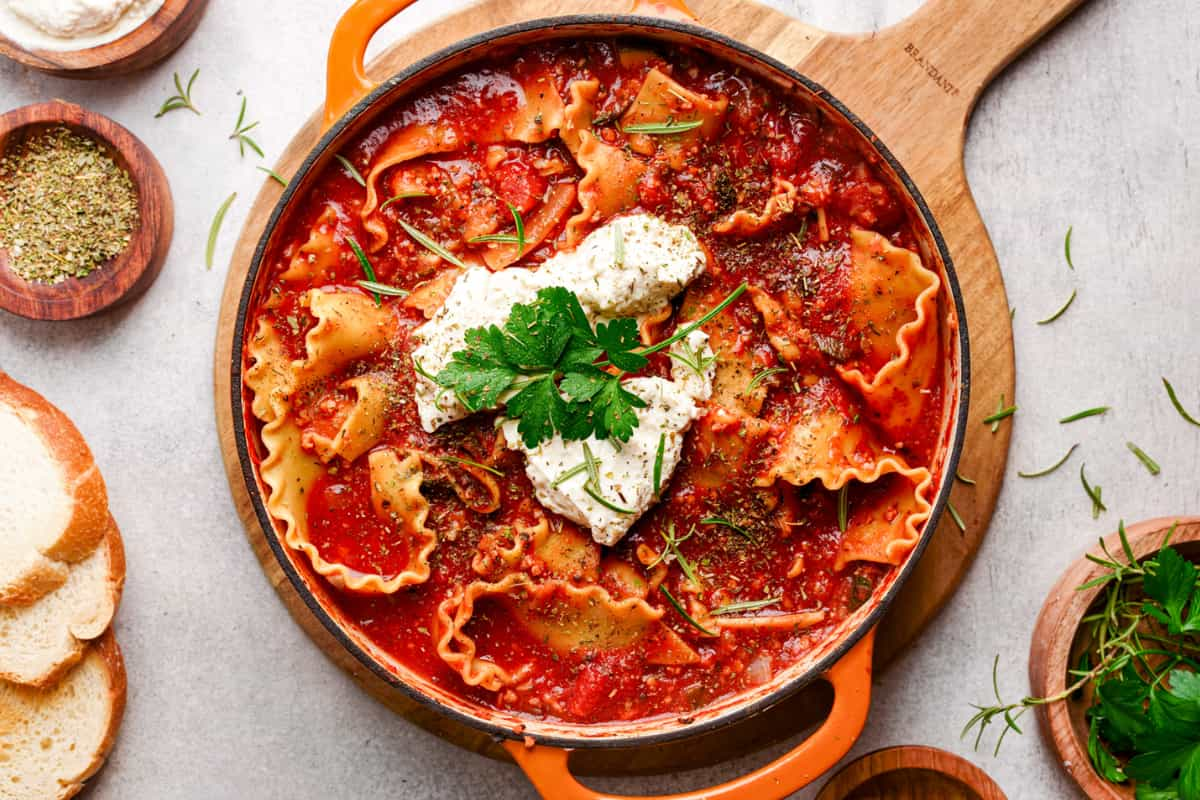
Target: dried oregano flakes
{"points": [[66, 207]]}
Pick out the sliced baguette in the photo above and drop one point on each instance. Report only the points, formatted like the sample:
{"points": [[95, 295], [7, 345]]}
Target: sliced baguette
{"points": [[52, 740], [53, 506], [41, 641]]}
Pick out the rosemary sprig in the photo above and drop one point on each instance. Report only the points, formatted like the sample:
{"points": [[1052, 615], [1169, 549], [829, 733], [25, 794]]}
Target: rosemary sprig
{"points": [[1149, 462], [568, 474], [1179, 406], [241, 133], [215, 229], [351, 170], [725, 522], [592, 486], [673, 541], [1093, 492], [1002, 413], [517, 238], [683, 332], [1090, 412], [275, 176], [431, 245], [1052, 468], [367, 269], [469, 463], [1060, 311], [744, 605], [401, 196], [182, 98], [663, 129], [683, 612]]}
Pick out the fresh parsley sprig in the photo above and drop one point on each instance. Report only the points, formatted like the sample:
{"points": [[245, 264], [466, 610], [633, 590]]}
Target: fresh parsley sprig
{"points": [[1142, 666], [555, 373]]}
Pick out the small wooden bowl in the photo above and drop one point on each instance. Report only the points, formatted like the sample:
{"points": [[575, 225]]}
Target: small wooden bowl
{"points": [[900, 773], [128, 274], [145, 45], [1057, 638]]}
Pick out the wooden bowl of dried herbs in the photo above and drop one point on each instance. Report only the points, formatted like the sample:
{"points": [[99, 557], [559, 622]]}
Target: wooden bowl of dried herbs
{"points": [[1115, 666], [86, 215]]}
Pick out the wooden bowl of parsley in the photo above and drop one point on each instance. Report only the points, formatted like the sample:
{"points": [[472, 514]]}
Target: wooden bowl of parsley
{"points": [[1115, 665]]}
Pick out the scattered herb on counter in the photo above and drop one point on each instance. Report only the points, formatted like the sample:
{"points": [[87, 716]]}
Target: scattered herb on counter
{"points": [[66, 207], [663, 128], [548, 365], [1060, 311], [963, 479], [1052, 468], [725, 522], [275, 176], [1138, 675], [1093, 492], [683, 612], [351, 170], [1146, 460], [1067, 247], [744, 606], [954, 515], [1002, 413], [182, 98], [1179, 406], [430, 245], [241, 131], [1091, 412], [215, 230]]}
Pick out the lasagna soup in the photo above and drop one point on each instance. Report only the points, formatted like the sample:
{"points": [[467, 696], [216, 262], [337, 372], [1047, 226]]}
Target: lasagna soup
{"points": [[599, 382]]}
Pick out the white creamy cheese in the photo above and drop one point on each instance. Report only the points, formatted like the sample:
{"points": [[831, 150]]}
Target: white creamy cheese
{"points": [[652, 263], [72, 24], [626, 469]]}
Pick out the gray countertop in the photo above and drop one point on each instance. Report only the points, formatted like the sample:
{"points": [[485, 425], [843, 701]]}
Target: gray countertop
{"points": [[1095, 127]]}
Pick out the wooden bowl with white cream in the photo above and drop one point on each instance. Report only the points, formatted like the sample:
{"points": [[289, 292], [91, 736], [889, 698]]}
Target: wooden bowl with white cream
{"points": [[92, 39]]}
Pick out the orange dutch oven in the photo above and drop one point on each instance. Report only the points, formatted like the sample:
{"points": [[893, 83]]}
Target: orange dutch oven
{"points": [[540, 747]]}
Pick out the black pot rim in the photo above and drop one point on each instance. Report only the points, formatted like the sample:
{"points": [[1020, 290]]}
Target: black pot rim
{"points": [[638, 25]]}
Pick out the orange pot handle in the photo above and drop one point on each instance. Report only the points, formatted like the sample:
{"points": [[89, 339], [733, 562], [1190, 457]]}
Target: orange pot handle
{"points": [[851, 678], [346, 80]]}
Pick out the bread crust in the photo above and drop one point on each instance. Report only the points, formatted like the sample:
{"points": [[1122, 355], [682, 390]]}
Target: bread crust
{"points": [[105, 648], [84, 484], [87, 630]]}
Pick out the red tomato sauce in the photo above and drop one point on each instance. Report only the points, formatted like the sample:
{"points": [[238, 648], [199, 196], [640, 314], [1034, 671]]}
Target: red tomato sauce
{"points": [[765, 137]]}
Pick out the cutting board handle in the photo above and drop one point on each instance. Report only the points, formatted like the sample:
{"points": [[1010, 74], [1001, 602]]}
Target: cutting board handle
{"points": [[948, 51]]}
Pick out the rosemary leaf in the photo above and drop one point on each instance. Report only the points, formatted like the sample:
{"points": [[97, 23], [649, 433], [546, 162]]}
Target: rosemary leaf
{"points": [[843, 507], [759, 377], [351, 171], [733, 526], [1179, 406], [683, 612], [954, 515], [469, 463], [367, 269], [958, 476], [215, 230], [663, 129], [1043, 472], [1067, 247], [382, 288], [275, 176], [744, 605], [1093, 492], [403, 196], [658, 463], [1149, 462], [1091, 412], [431, 245], [1061, 311]]}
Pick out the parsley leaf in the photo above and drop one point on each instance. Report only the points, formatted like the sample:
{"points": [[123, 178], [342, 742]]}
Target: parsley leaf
{"points": [[1172, 585], [553, 371]]}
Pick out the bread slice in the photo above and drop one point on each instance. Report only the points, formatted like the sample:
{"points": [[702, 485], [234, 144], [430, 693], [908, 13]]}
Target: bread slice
{"points": [[52, 740], [53, 505], [41, 641]]}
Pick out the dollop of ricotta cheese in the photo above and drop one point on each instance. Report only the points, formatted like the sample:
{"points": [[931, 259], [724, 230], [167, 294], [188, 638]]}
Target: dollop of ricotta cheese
{"points": [[630, 267], [626, 469], [72, 24]]}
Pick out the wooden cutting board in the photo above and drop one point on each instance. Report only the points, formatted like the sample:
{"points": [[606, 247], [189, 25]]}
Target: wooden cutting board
{"points": [[915, 85]]}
